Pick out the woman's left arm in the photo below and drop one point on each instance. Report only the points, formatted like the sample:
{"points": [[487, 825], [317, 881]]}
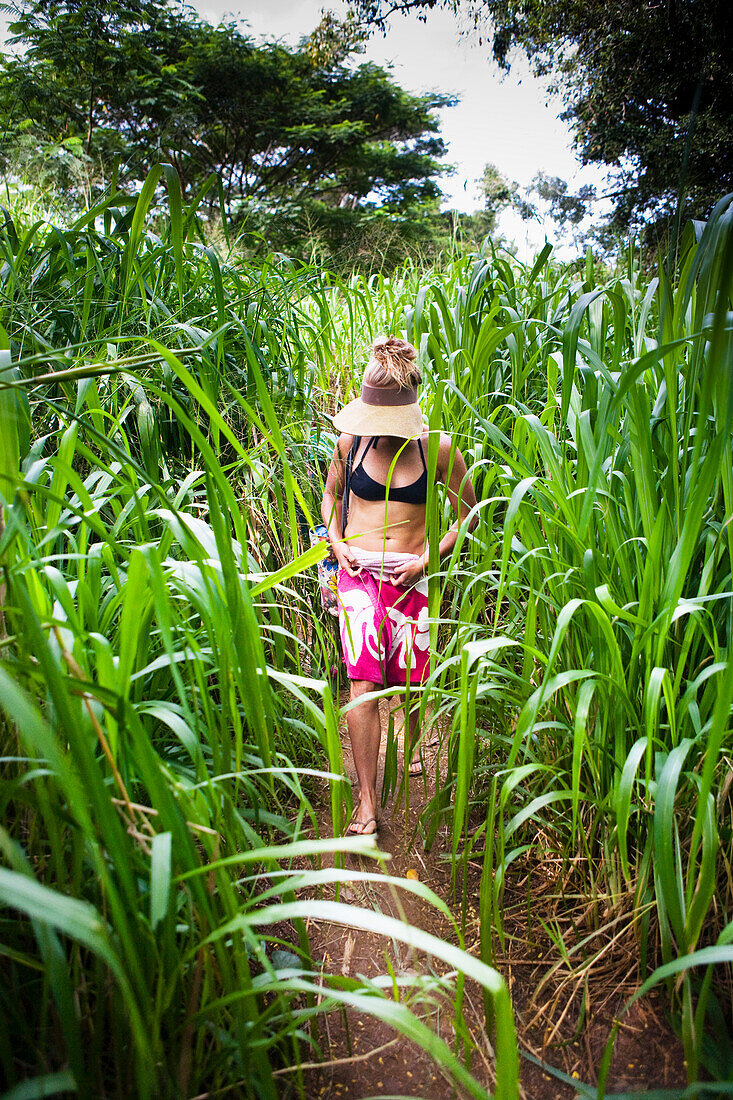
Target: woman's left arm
{"points": [[452, 471]]}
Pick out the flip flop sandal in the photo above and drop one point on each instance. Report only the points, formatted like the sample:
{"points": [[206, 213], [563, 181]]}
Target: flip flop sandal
{"points": [[353, 831], [416, 766]]}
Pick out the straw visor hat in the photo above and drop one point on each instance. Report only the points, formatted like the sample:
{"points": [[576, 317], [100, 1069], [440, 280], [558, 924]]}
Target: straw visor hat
{"points": [[382, 410], [388, 403]]}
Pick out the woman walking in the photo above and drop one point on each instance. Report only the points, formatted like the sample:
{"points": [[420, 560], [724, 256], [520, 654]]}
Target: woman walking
{"points": [[383, 553]]}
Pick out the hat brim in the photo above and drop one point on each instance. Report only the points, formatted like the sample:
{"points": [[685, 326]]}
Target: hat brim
{"points": [[359, 418]]}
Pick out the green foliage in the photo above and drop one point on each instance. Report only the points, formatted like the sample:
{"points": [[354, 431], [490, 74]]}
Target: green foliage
{"points": [[593, 603], [334, 39], [498, 192], [647, 90], [106, 74], [163, 710], [295, 136]]}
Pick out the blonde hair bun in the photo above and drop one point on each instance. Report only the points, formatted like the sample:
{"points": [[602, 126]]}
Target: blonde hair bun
{"points": [[392, 361]]}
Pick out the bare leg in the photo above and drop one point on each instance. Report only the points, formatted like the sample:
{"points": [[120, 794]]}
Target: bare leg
{"points": [[416, 766], [365, 734]]}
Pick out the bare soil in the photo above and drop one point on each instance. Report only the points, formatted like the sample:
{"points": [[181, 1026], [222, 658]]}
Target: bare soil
{"points": [[563, 1015]]}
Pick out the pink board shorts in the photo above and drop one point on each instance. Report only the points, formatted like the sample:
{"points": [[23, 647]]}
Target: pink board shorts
{"points": [[384, 627]]}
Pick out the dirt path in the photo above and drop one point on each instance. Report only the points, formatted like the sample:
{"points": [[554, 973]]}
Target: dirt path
{"points": [[364, 1058]]}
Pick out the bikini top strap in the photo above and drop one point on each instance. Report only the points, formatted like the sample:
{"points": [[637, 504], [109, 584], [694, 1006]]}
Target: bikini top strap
{"points": [[348, 471], [422, 454], [372, 439]]}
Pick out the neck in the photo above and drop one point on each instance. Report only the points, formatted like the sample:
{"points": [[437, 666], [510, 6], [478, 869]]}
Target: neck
{"points": [[390, 443]]}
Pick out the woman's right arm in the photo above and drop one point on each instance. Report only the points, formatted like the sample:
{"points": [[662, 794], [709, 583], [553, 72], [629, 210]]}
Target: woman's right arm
{"points": [[331, 505]]}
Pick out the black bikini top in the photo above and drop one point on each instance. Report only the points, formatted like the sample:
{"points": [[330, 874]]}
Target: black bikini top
{"points": [[368, 489]]}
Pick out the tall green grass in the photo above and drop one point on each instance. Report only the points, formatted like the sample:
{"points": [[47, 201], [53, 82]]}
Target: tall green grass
{"points": [[166, 716], [164, 728], [593, 604]]}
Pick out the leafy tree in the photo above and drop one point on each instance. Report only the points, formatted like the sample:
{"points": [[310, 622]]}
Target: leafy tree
{"points": [[281, 130], [92, 70], [498, 193], [285, 128], [335, 39], [647, 86]]}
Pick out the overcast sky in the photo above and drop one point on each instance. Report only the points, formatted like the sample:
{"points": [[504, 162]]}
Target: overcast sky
{"points": [[508, 120]]}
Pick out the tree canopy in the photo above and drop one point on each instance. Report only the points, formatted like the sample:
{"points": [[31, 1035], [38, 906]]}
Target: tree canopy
{"points": [[284, 128], [647, 87]]}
